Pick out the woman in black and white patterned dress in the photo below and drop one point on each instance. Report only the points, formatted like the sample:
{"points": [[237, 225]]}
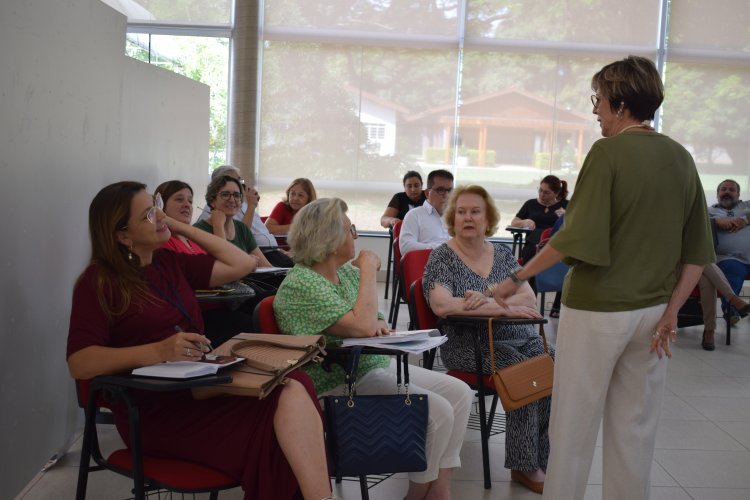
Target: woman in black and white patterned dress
{"points": [[455, 281]]}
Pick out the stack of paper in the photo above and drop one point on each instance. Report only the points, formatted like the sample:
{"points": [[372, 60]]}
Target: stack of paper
{"points": [[412, 341]]}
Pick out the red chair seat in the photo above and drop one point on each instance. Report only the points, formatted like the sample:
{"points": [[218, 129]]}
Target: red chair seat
{"points": [[471, 379], [174, 474]]}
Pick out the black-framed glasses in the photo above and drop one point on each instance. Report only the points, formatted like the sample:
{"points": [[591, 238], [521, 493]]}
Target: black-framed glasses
{"points": [[353, 230], [151, 214], [595, 99], [442, 190], [226, 195]]}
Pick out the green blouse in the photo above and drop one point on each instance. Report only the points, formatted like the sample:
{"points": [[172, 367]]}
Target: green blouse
{"points": [[307, 304], [637, 213]]}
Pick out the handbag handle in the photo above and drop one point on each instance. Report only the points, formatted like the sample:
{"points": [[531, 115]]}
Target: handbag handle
{"points": [[351, 372], [492, 350]]}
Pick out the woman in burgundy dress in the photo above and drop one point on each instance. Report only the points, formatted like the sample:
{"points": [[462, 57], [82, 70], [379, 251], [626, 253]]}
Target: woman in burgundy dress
{"points": [[134, 306]]}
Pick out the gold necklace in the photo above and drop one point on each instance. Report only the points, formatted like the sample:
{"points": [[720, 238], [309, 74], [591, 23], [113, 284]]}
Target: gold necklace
{"points": [[643, 124]]}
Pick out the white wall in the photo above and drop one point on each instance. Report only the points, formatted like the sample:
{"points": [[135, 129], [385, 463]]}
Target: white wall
{"points": [[75, 115]]}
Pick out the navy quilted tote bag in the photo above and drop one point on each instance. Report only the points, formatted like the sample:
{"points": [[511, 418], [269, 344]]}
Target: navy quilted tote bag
{"points": [[376, 434]]}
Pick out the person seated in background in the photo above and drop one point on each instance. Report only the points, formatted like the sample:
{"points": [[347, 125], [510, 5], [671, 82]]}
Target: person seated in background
{"points": [[456, 282], [325, 294], [424, 227], [134, 306], [248, 214], [411, 197], [731, 216], [220, 322], [710, 281], [541, 212], [299, 193], [224, 197]]}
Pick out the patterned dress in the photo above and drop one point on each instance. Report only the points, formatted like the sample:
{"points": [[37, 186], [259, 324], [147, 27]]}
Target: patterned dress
{"points": [[527, 442]]}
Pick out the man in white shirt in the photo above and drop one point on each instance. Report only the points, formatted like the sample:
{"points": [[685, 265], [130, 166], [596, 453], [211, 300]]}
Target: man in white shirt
{"points": [[424, 227]]}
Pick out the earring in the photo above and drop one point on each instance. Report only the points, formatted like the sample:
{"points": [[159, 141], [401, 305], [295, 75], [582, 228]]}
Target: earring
{"points": [[619, 114], [130, 253]]}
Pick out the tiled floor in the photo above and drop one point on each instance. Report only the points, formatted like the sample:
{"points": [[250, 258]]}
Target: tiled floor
{"points": [[702, 448]]}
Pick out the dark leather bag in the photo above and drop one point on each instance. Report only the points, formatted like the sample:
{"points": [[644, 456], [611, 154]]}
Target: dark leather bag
{"points": [[522, 383], [376, 434]]}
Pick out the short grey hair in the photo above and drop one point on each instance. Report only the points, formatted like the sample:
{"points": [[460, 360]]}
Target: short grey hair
{"points": [[317, 230], [224, 170]]}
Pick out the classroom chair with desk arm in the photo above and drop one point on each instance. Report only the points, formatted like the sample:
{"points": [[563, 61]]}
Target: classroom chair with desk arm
{"points": [[148, 473]]}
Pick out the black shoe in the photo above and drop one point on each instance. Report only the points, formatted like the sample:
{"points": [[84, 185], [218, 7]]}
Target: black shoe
{"points": [[706, 344]]}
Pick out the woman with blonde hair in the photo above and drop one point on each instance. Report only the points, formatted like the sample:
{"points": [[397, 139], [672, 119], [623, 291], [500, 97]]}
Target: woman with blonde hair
{"points": [[456, 280], [299, 193], [325, 294]]}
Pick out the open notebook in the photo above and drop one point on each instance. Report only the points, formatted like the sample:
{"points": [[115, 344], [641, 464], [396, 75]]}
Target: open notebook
{"points": [[187, 369]]}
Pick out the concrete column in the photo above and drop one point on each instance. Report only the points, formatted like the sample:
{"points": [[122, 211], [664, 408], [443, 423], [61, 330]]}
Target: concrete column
{"points": [[243, 88]]}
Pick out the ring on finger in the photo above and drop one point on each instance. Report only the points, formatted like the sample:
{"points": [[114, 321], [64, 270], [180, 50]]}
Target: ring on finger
{"points": [[189, 353]]}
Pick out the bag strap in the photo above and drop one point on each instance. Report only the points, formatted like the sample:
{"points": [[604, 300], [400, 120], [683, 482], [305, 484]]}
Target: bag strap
{"points": [[352, 364], [491, 341]]}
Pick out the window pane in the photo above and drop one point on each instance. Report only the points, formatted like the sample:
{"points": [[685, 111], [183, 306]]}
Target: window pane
{"points": [[705, 109], [601, 21], [353, 119], [382, 16], [696, 24], [175, 11], [521, 118], [205, 59]]}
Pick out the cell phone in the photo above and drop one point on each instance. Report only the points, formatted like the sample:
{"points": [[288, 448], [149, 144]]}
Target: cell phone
{"points": [[219, 360]]}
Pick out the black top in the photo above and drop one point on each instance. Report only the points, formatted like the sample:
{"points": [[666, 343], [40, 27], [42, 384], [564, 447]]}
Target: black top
{"points": [[403, 204], [543, 217]]}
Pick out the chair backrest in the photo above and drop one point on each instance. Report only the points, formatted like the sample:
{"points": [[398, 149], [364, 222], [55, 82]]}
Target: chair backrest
{"points": [[264, 319], [551, 279], [420, 311], [396, 229], [412, 267]]}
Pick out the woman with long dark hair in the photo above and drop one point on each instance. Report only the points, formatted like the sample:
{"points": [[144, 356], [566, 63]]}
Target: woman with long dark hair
{"points": [[134, 306]]}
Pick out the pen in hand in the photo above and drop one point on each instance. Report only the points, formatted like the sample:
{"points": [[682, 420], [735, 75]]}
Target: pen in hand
{"points": [[200, 346]]}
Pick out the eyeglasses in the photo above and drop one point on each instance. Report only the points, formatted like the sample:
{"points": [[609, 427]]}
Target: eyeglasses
{"points": [[225, 195], [542, 191], [442, 190], [151, 214], [353, 230], [595, 100]]}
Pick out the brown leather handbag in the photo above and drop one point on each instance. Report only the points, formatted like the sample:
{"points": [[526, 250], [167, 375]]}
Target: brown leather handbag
{"points": [[525, 382], [268, 359]]}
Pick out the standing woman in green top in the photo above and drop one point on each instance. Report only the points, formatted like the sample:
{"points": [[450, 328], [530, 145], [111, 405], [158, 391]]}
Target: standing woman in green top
{"points": [[624, 289], [324, 293]]}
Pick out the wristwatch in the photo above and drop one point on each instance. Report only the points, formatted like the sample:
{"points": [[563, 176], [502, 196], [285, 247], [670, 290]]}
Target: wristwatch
{"points": [[515, 279]]}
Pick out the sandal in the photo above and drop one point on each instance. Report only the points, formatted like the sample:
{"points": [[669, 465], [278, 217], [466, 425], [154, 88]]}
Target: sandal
{"points": [[707, 343]]}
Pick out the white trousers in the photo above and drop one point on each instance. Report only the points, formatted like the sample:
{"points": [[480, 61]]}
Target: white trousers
{"points": [[603, 369], [449, 403]]}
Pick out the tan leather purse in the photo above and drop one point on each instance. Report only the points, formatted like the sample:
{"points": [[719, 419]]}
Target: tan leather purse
{"points": [[525, 382], [268, 359]]}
